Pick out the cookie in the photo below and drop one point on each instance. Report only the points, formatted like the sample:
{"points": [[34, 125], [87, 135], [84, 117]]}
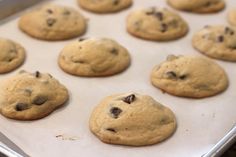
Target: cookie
{"points": [[132, 119], [218, 42], [30, 96], [187, 76], [94, 57], [232, 17], [53, 22], [157, 24], [198, 6], [104, 6], [12, 55]]}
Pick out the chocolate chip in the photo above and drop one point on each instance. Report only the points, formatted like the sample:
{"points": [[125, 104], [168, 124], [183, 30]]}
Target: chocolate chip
{"points": [[129, 99], [39, 100], [21, 106], [111, 130], [159, 15], [114, 51], [208, 4], [116, 2], [49, 11], [171, 75], [115, 112], [183, 77], [51, 22], [37, 74], [164, 27], [229, 31], [79, 61], [220, 38], [10, 59], [151, 11]]}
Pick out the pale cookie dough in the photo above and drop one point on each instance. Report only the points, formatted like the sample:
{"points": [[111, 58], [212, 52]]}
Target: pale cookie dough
{"points": [[232, 17], [104, 6], [157, 24], [12, 55], [30, 96], [217, 42], [132, 119], [185, 76], [94, 57], [53, 22], [198, 6]]}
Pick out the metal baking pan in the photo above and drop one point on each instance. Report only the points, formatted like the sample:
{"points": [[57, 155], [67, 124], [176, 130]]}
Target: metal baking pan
{"points": [[202, 123]]}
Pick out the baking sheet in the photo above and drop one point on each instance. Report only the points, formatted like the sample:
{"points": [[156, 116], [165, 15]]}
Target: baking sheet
{"points": [[201, 122]]}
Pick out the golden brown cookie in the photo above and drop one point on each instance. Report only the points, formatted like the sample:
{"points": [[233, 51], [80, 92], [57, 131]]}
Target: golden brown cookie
{"points": [[132, 119], [53, 22], [185, 76]]}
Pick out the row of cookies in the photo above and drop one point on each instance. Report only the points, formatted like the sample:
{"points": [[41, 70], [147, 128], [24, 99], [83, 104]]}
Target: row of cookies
{"points": [[195, 6], [118, 119]]}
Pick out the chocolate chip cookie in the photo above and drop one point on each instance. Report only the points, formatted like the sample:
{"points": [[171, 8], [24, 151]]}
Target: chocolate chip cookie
{"points": [[30, 96], [12, 55], [157, 24], [198, 6], [132, 119], [94, 57], [187, 76], [104, 6], [218, 42], [53, 22]]}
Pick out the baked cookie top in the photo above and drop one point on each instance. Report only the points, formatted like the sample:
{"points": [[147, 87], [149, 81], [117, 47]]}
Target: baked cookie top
{"points": [[186, 76], [94, 57], [104, 6], [198, 6], [53, 22], [232, 17], [12, 55], [29, 96], [217, 42], [156, 24], [132, 119]]}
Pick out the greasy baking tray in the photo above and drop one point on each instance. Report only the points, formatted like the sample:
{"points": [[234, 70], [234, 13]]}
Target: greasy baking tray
{"points": [[201, 122]]}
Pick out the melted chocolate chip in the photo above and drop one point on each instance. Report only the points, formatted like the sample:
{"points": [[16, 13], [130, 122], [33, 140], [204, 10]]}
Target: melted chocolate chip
{"points": [[39, 100], [164, 27], [159, 15], [229, 31], [37, 74], [111, 130], [114, 51], [220, 38], [183, 77], [116, 2], [21, 106], [115, 112], [171, 74], [129, 99], [51, 22], [49, 11]]}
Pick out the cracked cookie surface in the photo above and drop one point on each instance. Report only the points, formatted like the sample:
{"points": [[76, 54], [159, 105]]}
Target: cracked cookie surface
{"points": [[132, 119], [12, 55], [187, 76], [104, 6], [53, 22], [30, 96], [218, 42], [157, 24], [94, 57], [198, 6]]}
